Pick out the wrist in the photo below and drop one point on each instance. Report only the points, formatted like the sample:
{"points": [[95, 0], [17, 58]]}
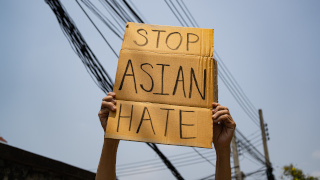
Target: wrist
{"points": [[223, 151], [111, 142]]}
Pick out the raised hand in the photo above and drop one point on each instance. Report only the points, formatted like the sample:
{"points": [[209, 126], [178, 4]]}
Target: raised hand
{"points": [[108, 104], [223, 127]]}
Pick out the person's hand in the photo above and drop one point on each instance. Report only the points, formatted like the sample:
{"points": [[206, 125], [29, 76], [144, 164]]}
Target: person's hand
{"points": [[223, 127], [107, 105]]}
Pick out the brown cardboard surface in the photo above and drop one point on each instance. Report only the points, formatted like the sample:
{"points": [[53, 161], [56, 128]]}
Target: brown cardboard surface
{"points": [[165, 78], [160, 123], [166, 67], [168, 39]]}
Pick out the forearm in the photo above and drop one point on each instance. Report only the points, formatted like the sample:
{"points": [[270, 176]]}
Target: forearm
{"points": [[223, 170], [107, 165]]}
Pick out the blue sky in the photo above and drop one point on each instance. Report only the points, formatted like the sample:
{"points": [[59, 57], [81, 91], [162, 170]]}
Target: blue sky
{"points": [[49, 103]]}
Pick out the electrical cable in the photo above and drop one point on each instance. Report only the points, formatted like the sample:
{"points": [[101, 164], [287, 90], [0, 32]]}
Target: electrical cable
{"points": [[159, 169], [189, 13], [172, 158], [237, 92], [80, 47], [231, 90], [104, 19], [115, 18], [201, 155], [177, 164], [237, 86], [173, 12], [186, 14], [114, 52], [240, 98], [179, 14]]}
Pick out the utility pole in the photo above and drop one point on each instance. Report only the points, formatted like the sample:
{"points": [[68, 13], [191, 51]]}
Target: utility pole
{"points": [[236, 158], [265, 147]]}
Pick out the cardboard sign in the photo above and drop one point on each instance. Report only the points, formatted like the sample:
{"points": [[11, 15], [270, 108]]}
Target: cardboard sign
{"points": [[165, 83]]}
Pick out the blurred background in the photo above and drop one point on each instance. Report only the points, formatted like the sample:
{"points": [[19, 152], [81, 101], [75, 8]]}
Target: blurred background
{"points": [[268, 55]]}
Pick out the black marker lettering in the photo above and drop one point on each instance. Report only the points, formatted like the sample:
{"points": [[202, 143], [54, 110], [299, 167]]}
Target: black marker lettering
{"points": [[148, 75], [179, 42], [165, 132], [191, 41], [125, 74], [158, 37], [124, 117], [138, 31], [181, 124], [203, 96], [142, 119], [177, 80], [163, 65]]}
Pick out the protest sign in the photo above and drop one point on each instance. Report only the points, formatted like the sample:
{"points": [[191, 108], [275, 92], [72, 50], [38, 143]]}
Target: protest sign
{"points": [[165, 83]]}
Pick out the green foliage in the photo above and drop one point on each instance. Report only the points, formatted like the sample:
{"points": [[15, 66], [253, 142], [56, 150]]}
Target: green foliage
{"points": [[296, 174]]}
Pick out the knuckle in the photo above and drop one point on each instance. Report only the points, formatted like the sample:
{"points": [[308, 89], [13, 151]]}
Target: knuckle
{"points": [[107, 98], [104, 103], [225, 116], [234, 124]]}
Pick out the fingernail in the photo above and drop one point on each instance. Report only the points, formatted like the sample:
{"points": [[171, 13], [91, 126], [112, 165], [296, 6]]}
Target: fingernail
{"points": [[113, 108]]}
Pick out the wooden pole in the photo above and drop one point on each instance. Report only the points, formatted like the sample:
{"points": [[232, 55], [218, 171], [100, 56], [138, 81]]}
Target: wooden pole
{"points": [[236, 158], [265, 147], [264, 139]]}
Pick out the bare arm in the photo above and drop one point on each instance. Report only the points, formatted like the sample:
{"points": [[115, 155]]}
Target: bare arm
{"points": [[223, 129], [223, 170], [107, 165]]}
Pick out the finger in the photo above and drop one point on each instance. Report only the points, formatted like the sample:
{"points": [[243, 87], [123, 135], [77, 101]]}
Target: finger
{"points": [[214, 104], [113, 94], [107, 98], [110, 99], [110, 105], [221, 118], [220, 113], [219, 108], [227, 121]]}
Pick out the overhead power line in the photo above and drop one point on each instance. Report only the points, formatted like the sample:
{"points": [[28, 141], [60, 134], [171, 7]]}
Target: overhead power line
{"points": [[80, 47], [121, 12], [226, 76], [201, 155], [150, 166], [174, 158], [114, 52], [92, 64], [235, 89], [166, 161]]}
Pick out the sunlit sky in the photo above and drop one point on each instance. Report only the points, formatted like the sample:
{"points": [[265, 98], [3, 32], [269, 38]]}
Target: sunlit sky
{"points": [[49, 103]]}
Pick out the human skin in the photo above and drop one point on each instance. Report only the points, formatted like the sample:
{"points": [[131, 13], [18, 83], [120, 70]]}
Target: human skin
{"points": [[223, 129]]}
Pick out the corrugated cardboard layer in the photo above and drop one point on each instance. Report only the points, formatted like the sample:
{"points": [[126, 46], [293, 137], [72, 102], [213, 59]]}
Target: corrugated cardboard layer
{"points": [[160, 123], [168, 39], [166, 79]]}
